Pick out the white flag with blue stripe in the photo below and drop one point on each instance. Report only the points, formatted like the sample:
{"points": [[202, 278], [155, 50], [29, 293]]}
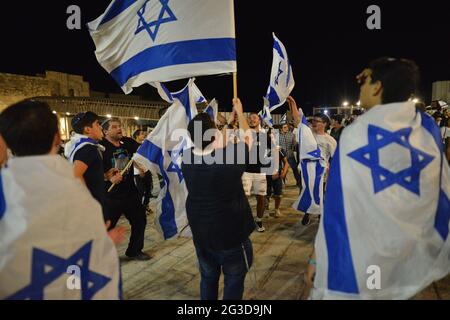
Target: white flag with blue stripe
{"points": [[142, 41], [385, 227], [78, 141], [161, 152], [212, 109], [281, 78], [53, 240], [265, 114], [312, 167]]}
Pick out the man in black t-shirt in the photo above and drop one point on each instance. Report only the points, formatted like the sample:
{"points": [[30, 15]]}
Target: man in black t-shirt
{"points": [[84, 151], [217, 209], [123, 198], [254, 178]]}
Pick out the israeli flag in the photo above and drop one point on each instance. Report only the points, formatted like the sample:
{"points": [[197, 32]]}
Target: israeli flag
{"points": [[53, 241], [167, 96], [141, 41], [77, 142], [385, 227], [281, 78], [312, 167], [162, 152], [212, 109]]}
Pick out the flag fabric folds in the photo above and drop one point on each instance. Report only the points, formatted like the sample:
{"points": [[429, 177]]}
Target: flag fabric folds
{"points": [[162, 151], [142, 41], [53, 240], [281, 77], [212, 109], [77, 142], [312, 167], [387, 209]]}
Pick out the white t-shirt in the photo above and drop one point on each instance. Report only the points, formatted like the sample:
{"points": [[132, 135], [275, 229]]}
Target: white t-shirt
{"points": [[327, 145]]}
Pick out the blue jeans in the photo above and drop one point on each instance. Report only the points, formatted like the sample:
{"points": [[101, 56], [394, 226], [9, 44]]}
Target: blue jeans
{"points": [[294, 165], [233, 264]]}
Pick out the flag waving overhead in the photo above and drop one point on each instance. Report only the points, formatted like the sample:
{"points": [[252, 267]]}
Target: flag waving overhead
{"points": [[162, 152], [312, 167], [141, 41], [53, 240], [387, 208], [281, 78]]}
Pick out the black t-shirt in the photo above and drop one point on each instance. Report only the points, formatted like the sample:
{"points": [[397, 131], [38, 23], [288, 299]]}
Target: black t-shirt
{"points": [[118, 157], [260, 152], [218, 211], [91, 156]]}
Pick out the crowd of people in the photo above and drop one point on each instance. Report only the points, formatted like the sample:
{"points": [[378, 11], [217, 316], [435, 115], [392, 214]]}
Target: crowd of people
{"points": [[218, 209]]}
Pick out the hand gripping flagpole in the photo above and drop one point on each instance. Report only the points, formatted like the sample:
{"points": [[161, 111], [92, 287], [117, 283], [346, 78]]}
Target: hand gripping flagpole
{"points": [[122, 173]]}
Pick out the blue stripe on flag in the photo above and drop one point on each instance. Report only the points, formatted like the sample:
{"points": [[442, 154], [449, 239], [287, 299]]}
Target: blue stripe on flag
{"points": [[273, 97], [167, 219], [117, 8], [305, 200], [185, 100], [443, 215], [277, 47], [442, 218], [175, 53], [2, 198], [210, 112], [317, 181], [82, 140], [341, 272]]}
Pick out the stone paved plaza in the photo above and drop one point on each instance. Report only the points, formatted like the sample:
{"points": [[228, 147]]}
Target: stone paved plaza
{"points": [[280, 257]]}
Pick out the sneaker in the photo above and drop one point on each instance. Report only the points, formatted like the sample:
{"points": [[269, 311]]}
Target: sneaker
{"points": [[141, 256], [276, 213], [306, 220], [259, 225]]}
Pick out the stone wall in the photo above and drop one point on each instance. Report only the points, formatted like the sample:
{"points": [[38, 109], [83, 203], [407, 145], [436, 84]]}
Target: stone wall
{"points": [[14, 88]]}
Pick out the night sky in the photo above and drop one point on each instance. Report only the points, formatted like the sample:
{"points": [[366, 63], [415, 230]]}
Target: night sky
{"points": [[327, 41]]}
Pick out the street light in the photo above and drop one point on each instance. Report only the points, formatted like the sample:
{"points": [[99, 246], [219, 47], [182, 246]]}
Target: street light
{"points": [[345, 103]]}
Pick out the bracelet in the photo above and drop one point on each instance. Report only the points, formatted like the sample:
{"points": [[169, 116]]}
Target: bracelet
{"points": [[312, 262]]}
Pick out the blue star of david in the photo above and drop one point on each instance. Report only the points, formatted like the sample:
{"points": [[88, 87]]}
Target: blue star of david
{"points": [[144, 25], [368, 155], [174, 156], [279, 73], [91, 282]]}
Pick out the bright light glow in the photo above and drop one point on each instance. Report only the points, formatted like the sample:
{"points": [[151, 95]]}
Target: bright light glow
{"points": [[358, 103], [326, 112], [108, 115], [67, 113], [345, 103], [415, 100], [54, 112], [136, 118]]}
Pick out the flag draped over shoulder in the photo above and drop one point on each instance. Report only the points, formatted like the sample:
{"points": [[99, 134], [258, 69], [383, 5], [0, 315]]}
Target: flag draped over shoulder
{"points": [[387, 208], [141, 41], [312, 167], [77, 142], [281, 78], [162, 152], [50, 226]]}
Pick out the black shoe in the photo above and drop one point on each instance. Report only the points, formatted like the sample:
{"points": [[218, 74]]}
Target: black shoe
{"points": [[141, 256], [305, 220]]}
